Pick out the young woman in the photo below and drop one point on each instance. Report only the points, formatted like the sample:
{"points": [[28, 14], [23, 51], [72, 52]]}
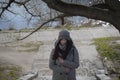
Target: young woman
{"points": [[64, 58]]}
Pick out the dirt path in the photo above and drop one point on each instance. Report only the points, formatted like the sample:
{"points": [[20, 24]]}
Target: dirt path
{"points": [[12, 56]]}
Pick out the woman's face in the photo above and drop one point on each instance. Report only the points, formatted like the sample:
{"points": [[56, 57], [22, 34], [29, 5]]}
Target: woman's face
{"points": [[63, 41]]}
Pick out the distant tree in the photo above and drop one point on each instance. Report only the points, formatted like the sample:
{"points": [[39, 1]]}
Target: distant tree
{"points": [[11, 28], [0, 29]]}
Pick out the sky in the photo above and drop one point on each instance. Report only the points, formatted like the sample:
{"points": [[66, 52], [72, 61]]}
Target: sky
{"points": [[20, 19]]}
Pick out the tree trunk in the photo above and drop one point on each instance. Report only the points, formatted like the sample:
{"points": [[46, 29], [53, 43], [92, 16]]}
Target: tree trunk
{"points": [[62, 21], [116, 22]]}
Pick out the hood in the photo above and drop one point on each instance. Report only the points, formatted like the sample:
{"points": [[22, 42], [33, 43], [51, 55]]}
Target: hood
{"points": [[63, 34]]}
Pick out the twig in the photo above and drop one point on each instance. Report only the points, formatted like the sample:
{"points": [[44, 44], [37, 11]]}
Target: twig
{"points": [[6, 7], [59, 16], [30, 12], [11, 11]]}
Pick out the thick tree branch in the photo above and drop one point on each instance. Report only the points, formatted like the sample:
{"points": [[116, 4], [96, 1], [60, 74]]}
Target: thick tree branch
{"points": [[103, 6], [115, 4], [89, 12], [79, 10]]}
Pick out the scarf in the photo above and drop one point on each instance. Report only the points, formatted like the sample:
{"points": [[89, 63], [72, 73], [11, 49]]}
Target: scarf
{"points": [[62, 52], [62, 47]]}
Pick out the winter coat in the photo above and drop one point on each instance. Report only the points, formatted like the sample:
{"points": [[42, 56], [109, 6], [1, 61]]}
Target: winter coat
{"points": [[71, 61]]}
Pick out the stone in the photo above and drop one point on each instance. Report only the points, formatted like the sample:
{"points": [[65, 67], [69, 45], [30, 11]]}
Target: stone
{"points": [[102, 77], [29, 76]]}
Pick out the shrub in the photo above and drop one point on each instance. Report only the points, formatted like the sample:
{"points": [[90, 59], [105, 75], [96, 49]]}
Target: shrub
{"points": [[106, 49], [11, 28], [0, 29], [10, 72]]}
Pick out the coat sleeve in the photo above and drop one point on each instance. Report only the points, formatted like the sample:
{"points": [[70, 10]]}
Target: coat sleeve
{"points": [[75, 63], [53, 66]]}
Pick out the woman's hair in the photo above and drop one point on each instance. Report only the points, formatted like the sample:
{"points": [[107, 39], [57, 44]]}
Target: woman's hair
{"points": [[69, 45]]}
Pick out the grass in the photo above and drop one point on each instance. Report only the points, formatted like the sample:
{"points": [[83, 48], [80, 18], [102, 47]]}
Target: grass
{"points": [[27, 46], [72, 27], [77, 27], [68, 27], [107, 47], [117, 79], [10, 72]]}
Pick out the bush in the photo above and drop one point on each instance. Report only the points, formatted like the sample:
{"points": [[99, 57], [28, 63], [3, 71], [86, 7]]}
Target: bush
{"points": [[109, 51], [10, 72], [106, 48], [0, 29], [11, 28]]}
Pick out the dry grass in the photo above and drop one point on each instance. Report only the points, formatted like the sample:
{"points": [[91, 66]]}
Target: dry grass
{"points": [[9, 71]]}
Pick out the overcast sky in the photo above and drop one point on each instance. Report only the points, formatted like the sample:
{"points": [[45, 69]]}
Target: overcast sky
{"points": [[20, 21]]}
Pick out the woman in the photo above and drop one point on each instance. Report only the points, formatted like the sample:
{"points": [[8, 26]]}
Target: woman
{"points": [[64, 58]]}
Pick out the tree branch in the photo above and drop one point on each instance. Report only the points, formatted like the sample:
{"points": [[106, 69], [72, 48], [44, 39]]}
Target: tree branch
{"points": [[5, 8], [115, 4], [59, 16], [89, 12], [102, 6], [3, 3], [30, 12], [11, 11], [79, 10], [22, 3]]}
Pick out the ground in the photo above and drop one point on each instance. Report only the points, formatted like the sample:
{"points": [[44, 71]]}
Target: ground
{"points": [[22, 59], [35, 56]]}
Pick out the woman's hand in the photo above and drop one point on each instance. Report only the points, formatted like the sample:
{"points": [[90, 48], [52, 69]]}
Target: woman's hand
{"points": [[60, 60], [67, 70]]}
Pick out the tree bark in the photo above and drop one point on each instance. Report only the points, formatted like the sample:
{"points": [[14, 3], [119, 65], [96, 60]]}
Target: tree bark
{"points": [[62, 21]]}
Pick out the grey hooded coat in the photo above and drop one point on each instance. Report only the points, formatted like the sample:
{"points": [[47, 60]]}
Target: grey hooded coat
{"points": [[71, 61]]}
